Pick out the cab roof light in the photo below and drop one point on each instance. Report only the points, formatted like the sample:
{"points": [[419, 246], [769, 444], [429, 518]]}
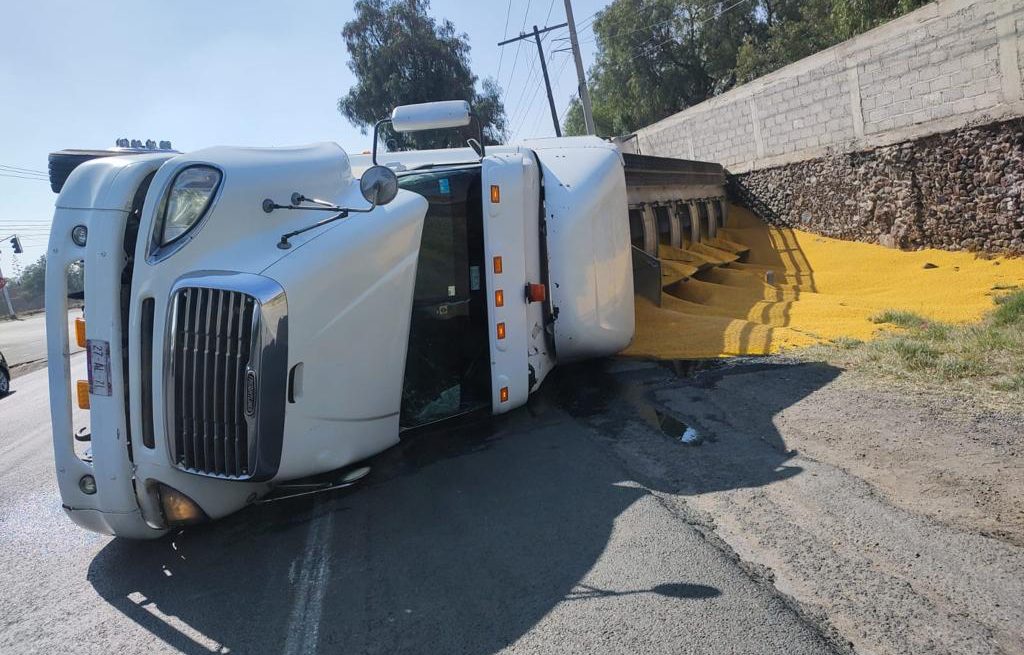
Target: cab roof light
{"points": [[495, 194], [501, 330], [497, 265], [503, 394], [499, 298]]}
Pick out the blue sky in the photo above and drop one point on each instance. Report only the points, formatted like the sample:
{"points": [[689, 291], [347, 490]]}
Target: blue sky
{"points": [[81, 74]]}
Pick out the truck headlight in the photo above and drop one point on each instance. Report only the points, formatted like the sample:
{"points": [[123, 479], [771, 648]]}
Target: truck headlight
{"points": [[187, 201]]}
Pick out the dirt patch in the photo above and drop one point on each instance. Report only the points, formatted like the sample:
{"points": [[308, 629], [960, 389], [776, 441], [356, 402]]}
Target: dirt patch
{"points": [[956, 461], [893, 518]]}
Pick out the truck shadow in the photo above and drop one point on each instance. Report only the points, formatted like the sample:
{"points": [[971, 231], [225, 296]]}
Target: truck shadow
{"points": [[460, 541]]}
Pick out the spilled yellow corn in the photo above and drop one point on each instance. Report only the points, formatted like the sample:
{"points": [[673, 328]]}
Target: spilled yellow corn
{"points": [[795, 289]]}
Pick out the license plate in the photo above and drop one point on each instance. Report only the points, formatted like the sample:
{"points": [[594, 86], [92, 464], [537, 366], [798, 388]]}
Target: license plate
{"points": [[99, 367]]}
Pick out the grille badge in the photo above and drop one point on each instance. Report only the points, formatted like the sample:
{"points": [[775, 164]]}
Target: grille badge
{"points": [[250, 392]]}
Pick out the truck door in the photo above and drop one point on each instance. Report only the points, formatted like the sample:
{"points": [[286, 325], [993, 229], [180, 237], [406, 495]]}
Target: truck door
{"points": [[521, 355], [447, 370]]}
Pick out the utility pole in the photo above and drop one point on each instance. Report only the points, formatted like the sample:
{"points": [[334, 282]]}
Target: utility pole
{"points": [[588, 112], [543, 67]]}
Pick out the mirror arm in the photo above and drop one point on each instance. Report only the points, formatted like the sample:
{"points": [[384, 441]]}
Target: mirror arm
{"points": [[343, 212], [298, 199], [284, 244], [269, 206], [480, 130], [376, 131]]}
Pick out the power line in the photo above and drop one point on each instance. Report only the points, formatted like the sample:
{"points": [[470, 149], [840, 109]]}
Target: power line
{"points": [[568, 106], [525, 88], [550, 7], [501, 57], [530, 106], [519, 44], [21, 177], [586, 18], [639, 29], [558, 78], [667, 20], [540, 114], [696, 24], [21, 169], [530, 109], [587, 26]]}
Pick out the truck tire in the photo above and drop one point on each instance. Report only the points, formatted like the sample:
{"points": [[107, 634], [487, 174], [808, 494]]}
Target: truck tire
{"points": [[63, 162], [5, 383]]}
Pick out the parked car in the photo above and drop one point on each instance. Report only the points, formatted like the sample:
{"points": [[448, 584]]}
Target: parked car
{"points": [[5, 376]]}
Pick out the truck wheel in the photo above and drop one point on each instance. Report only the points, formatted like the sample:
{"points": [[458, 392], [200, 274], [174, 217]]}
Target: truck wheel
{"points": [[5, 383]]}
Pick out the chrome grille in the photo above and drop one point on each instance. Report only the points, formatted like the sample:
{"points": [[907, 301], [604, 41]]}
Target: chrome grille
{"points": [[214, 334]]}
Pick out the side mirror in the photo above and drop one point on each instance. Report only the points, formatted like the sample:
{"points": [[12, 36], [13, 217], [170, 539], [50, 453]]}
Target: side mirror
{"points": [[379, 185], [431, 116]]}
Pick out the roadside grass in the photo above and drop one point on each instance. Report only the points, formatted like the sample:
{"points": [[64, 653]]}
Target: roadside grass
{"points": [[982, 358], [898, 318]]}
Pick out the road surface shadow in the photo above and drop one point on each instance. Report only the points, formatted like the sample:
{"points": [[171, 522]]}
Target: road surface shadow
{"points": [[460, 541], [626, 400]]}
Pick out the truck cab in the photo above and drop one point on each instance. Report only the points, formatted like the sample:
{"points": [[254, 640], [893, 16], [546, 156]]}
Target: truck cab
{"points": [[236, 344]]}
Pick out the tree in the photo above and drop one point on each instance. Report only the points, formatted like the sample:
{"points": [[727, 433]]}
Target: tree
{"points": [[29, 290], [797, 30], [400, 55], [657, 57], [800, 29], [32, 281]]}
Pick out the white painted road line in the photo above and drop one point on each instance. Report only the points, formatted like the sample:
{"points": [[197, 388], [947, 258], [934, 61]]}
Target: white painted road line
{"points": [[309, 586]]}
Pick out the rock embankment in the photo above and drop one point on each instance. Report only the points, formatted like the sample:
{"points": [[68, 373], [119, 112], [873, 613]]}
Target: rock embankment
{"points": [[959, 190]]}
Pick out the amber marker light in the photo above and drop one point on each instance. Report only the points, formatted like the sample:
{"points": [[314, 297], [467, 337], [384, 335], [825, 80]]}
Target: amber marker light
{"points": [[497, 265], [499, 298], [178, 508], [495, 193], [82, 388], [501, 330], [503, 394], [80, 332]]}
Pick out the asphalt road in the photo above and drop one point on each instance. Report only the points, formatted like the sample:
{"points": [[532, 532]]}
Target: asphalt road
{"points": [[24, 341], [521, 534]]}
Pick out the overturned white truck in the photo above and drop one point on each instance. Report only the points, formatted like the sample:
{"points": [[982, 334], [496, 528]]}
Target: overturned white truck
{"points": [[235, 342]]}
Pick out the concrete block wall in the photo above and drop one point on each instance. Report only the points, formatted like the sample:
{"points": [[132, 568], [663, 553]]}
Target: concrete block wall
{"points": [[950, 64]]}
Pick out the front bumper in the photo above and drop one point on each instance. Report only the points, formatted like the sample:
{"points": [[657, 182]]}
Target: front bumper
{"points": [[114, 507]]}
